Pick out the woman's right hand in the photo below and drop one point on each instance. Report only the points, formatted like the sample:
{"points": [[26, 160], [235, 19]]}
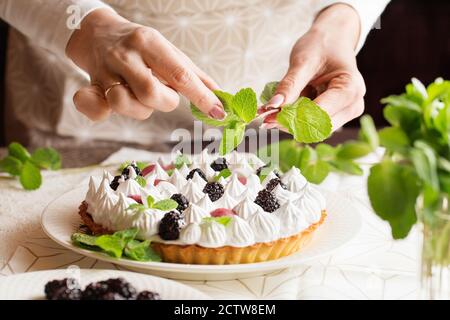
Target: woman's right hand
{"points": [[112, 49]]}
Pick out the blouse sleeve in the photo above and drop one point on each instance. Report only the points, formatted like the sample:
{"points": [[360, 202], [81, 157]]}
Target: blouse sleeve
{"points": [[49, 23], [369, 12]]}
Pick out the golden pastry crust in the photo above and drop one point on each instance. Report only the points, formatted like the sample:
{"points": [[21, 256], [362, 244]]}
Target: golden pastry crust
{"points": [[194, 254]]}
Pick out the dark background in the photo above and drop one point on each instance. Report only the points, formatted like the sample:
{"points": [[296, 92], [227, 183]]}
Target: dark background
{"points": [[414, 41]]}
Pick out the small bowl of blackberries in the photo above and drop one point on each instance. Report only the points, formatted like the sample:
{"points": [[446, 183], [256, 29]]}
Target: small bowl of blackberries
{"points": [[111, 289]]}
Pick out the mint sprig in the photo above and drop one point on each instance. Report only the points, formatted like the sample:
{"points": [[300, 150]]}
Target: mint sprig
{"points": [[163, 205], [121, 243], [20, 163]]}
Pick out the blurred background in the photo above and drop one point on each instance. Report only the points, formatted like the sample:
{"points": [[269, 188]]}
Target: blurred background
{"points": [[413, 41]]}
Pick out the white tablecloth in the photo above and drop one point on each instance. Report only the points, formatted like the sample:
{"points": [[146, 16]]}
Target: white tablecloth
{"points": [[372, 266]]}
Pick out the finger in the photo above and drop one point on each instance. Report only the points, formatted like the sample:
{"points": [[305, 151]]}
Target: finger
{"points": [[182, 78], [290, 87], [347, 114], [205, 78], [342, 91], [91, 102], [147, 88], [122, 101]]}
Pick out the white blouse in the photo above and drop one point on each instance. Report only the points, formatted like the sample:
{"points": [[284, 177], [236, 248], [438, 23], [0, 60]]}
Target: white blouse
{"points": [[227, 38]]}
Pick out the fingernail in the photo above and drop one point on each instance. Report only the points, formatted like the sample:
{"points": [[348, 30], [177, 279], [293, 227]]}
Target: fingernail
{"points": [[275, 102], [217, 113], [268, 126]]}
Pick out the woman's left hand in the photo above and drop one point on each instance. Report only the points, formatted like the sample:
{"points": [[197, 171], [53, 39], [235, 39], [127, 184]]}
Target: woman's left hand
{"points": [[323, 67]]}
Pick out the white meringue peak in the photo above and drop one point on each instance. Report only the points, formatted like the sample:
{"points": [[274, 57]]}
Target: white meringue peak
{"points": [[246, 208], [191, 233], [195, 214], [239, 232]]}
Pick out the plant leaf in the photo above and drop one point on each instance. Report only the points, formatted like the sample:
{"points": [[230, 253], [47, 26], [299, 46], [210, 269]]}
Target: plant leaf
{"points": [[368, 132], [18, 151], [393, 190], [11, 165], [141, 181], [347, 166], [30, 176], [224, 220], [111, 244], [150, 201], [353, 150], [316, 172], [46, 158], [394, 139], [306, 121], [225, 173]]}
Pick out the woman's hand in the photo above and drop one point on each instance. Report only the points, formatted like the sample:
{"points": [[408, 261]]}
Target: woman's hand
{"points": [[150, 70], [323, 67]]}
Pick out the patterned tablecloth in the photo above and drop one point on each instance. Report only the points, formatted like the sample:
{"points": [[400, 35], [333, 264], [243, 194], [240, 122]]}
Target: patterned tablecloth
{"points": [[371, 266]]}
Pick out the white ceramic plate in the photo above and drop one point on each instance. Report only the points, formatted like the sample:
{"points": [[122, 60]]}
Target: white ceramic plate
{"points": [[60, 219], [30, 286]]}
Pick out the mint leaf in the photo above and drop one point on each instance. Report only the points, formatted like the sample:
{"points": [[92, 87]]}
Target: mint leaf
{"points": [[226, 99], [316, 172], [126, 235], [11, 165], [112, 245], [244, 104], [353, 150], [30, 176], [268, 92], [425, 163], [141, 251], [225, 173], [46, 158], [136, 207], [181, 160], [84, 239], [141, 165], [409, 120], [393, 190], [18, 151], [150, 201], [224, 220], [394, 139], [306, 121], [166, 205], [232, 137], [368, 132], [141, 181]]}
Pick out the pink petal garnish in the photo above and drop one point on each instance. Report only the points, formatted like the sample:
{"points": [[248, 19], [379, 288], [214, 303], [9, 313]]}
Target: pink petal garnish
{"points": [[222, 212], [242, 180], [147, 170], [136, 198]]}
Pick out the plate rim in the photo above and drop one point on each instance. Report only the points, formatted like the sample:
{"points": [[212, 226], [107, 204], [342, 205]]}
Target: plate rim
{"points": [[268, 266], [199, 294]]}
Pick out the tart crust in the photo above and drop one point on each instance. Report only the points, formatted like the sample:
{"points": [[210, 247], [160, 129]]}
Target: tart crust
{"points": [[194, 254]]}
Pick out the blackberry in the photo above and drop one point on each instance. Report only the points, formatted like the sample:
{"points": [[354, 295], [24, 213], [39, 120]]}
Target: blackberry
{"points": [[219, 164], [112, 296], [109, 289], [126, 170], [272, 184], [182, 201], [115, 183], [170, 225], [214, 190], [66, 289], [200, 173], [148, 295], [267, 201]]}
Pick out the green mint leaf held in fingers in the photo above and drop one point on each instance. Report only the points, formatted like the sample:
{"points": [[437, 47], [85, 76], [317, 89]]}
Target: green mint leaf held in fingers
{"points": [[244, 105], [232, 137], [306, 121]]}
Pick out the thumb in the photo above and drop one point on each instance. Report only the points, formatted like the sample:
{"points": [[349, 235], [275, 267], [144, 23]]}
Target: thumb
{"points": [[293, 83]]}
